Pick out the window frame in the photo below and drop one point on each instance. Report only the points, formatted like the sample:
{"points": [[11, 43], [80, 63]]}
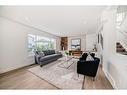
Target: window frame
{"points": [[36, 39], [123, 13], [33, 37]]}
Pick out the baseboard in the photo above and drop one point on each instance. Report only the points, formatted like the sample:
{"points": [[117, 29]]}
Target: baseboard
{"points": [[111, 80], [14, 70]]}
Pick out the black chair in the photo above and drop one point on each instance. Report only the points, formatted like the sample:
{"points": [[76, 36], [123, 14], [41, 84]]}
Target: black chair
{"points": [[88, 68]]}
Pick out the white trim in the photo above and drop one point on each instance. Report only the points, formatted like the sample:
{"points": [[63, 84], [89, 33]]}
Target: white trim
{"points": [[110, 78], [124, 45]]}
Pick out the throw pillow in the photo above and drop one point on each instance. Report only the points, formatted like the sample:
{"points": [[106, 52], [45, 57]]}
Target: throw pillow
{"points": [[84, 56], [57, 52], [92, 54], [41, 54], [89, 58]]}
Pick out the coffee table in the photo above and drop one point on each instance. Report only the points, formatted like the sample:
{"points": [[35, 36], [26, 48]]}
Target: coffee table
{"points": [[66, 62]]}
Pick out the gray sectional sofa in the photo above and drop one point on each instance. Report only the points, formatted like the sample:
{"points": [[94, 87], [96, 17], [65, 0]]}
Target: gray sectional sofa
{"points": [[46, 57]]}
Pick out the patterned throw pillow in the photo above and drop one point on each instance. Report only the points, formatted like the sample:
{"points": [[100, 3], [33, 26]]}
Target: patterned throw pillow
{"points": [[89, 58], [41, 54]]}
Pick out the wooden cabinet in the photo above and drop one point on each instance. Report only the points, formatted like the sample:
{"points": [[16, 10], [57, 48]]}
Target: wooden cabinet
{"points": [[64, 43], [75, 52]]}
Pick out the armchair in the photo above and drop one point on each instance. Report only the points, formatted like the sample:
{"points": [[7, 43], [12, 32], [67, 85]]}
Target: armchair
{"points": [[88, 68]]}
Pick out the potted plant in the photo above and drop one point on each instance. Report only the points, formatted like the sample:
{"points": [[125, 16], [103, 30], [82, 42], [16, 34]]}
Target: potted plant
{"points": [[66, 53]]}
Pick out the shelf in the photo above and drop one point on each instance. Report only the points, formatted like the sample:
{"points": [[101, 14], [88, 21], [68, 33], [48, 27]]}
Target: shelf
{"points": [[64, 43]]}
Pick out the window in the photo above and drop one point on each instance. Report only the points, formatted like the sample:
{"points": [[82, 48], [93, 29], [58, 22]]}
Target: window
{"points": [[31, 43], [45, 43], [121, 14], [40, 43], [120, 18]]}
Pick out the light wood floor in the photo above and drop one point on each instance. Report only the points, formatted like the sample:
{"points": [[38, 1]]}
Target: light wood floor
{"points": [[23, 79]]}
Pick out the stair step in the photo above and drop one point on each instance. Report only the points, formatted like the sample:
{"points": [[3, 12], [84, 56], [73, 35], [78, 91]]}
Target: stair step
{"points": [[121, 50], [119, 46], [118, 43]]}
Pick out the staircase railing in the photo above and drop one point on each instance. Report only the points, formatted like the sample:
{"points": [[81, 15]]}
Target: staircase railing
{"points": [[123, 41], [123, 32]]}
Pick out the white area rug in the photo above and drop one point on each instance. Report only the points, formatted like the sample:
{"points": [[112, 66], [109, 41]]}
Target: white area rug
{"points": [[60, 77]]}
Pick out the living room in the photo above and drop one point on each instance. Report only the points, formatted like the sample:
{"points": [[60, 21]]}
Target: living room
{"points": [[48, 44], [20, 44]]}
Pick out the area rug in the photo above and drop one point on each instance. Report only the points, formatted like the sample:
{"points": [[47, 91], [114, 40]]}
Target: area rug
{"points": [[60, 77]]}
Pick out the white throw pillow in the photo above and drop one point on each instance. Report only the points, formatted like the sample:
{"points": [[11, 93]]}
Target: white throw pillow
{"points": [[41, 54], [89, 58], [57, 52]]}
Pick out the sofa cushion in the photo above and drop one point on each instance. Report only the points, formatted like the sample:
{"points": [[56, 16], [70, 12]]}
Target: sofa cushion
{"points": [[46, 52], [41, 54], [49, 52], [48, 57], [92, 54], [52, 51]]}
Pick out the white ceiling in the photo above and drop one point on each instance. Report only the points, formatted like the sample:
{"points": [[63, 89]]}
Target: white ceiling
{"points": [[57, 20]]}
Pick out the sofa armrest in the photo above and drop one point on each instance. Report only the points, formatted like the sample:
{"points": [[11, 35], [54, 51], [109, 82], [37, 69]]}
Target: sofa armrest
{"points": [[38, 58], [87, 67]]}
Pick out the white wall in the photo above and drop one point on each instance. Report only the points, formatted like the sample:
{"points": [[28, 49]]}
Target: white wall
{"points": [[13, 44], [83, 42], [113, 64], [91, 39], [87, 41], [122, 33]]}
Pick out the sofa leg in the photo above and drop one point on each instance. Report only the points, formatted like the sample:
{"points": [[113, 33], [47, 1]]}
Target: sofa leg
{"points": [[78, 75], [41, 65], [93, 78]]}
